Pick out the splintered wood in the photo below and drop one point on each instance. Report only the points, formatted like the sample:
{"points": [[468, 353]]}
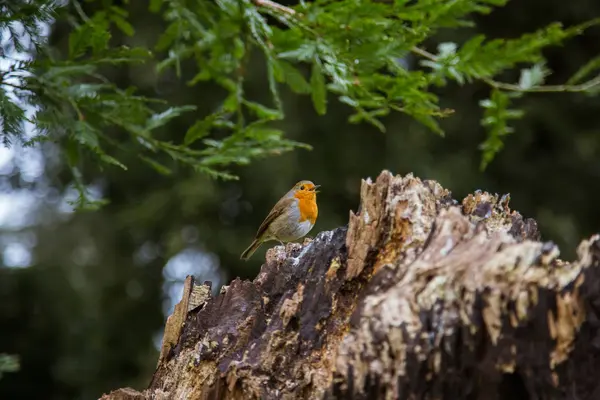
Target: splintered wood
{"points": [[419, 297]]}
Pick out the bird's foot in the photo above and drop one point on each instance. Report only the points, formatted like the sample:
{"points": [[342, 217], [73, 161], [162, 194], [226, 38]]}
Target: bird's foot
{"points": [[307, 240]]}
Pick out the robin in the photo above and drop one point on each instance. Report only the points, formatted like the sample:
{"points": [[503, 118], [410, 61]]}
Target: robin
{"points": [[290, 219]]}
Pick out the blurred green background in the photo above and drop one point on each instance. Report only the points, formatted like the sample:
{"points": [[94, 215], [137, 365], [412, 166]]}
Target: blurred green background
{"points": [[83, 297]]}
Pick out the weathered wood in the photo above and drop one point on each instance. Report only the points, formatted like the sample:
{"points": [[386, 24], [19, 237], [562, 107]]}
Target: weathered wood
{"points": [[419, 297]]}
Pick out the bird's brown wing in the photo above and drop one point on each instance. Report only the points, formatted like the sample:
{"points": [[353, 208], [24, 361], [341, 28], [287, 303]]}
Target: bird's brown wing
{"points": [[278, 209]]}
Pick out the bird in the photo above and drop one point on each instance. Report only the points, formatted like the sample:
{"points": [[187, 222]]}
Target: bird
{"points": [[291, 218]]}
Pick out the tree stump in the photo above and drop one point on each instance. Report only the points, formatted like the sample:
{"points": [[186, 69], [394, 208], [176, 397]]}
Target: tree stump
{"points": [[418, 297]]}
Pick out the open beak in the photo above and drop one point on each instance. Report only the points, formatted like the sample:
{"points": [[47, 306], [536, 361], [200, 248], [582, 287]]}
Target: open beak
{"points": [[316, 187]]}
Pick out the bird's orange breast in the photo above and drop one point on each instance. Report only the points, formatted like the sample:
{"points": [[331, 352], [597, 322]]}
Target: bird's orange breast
{"points": [[307, 205]]}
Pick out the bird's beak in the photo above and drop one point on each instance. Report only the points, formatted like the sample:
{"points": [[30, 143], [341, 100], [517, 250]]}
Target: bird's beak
{"points": [[316, 187]]}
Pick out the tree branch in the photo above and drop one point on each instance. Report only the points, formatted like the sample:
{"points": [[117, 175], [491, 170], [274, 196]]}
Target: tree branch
{"points": [[496, 84], [274, 6], [516, 88], [583, 87]]}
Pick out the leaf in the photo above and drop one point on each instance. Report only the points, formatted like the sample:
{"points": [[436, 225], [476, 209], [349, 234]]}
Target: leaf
{"points": [[155, 5], [318, 91], [215, 174], [111, 160], [11, 118], [203, 75], [164, 117], [123, 25], [231, 103], [370, 117], [262, 111], [429, 122], [88, 36], [305, 52], [72, 152], [86, 135], [68, 70], [495, 119], [169, 36], [200, 129], [273, 85], [161, 169], [584, 71], [286, 72], [82, 90], [347, 100], [471, 46], [264, 134], [115, 10]]}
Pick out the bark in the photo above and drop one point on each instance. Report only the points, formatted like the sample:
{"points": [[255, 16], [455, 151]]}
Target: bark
{"points": [[418, 297]]}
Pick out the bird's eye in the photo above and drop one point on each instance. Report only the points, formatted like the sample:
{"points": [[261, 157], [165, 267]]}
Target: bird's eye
{"points": [[302, 187]]}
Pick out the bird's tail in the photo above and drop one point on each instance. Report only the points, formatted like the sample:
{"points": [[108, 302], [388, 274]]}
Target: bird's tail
{"points": [[251, 249]]}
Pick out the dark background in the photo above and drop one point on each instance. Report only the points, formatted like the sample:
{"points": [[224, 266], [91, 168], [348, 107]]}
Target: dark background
{"points": [[85, 312]]}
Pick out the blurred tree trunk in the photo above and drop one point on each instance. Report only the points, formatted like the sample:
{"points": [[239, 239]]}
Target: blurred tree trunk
{"points": [[419, 297]]}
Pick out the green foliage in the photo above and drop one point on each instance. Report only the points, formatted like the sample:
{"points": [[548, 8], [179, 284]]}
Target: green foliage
{"points": [[495, 118], [8, 363], [478, 59], [585, 71], [353, 49], [317, 84]]}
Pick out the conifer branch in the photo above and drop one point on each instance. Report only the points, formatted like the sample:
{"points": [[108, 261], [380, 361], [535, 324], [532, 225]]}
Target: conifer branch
{"points": [[585, 86], [493, 83]]}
